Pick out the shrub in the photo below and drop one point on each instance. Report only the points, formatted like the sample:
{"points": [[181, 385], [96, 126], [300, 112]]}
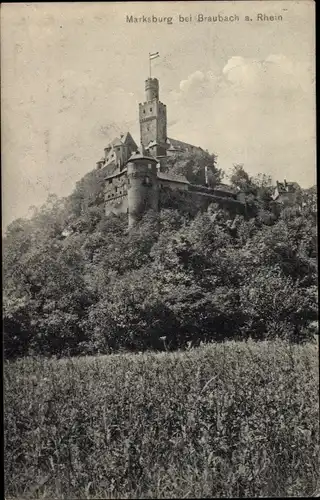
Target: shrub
{"points": [[224, 420]]}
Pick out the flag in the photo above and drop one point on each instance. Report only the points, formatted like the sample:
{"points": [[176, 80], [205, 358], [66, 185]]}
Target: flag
{"points": [[154, 55]]}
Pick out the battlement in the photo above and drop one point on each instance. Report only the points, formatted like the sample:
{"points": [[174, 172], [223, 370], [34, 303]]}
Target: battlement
{"points": [[138, 181]]}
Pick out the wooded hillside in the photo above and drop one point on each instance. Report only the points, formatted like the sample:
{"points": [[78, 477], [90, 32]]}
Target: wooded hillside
{"points": [[76, 281]]}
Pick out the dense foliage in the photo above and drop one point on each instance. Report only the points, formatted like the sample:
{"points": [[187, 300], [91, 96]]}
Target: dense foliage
{"points": [[76, 281], [232, 420], [192, 166]]}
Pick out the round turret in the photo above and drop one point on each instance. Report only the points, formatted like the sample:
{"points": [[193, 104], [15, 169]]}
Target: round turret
{"points": [[143, 189], [152, 89]]}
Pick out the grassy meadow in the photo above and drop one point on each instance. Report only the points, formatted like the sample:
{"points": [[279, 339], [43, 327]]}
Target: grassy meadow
{"points": [[223, 420]]}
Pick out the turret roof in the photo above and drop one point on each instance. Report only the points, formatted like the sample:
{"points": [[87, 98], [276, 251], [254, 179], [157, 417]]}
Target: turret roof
{"points": [[138, 156]]}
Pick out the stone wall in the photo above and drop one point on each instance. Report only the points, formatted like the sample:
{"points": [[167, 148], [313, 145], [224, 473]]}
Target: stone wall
{"points": [[175, 186], [117, 205], [153, 124], [115, 194], [231, 205], [143, 188], [172, 194]]}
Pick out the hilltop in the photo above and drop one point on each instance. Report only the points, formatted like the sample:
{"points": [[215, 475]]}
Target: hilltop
{"points": [[77, 281]]}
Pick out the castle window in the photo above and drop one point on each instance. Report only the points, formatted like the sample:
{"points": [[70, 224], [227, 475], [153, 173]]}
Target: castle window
{"points": [[147, 181], [144, 111], [150, 109], [110, 181]]}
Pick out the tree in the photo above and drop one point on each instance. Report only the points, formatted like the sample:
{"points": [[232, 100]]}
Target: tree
{"points": [[240, 178], [276, 306], [179, 274], [257, 192], [192, 166]]}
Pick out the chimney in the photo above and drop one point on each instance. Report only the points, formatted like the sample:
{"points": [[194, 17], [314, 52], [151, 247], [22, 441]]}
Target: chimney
{"points": [[100, 164], [107, 151], [206, 176]]}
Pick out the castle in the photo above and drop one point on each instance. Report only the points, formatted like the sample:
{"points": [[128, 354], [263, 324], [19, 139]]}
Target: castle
{"points": [[135, 179]]}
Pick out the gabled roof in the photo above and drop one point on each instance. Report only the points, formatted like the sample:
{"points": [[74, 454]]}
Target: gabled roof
{"points": [[123, 140], [285, 188], [110, 167], [117, 174], [127, 137], [115, 142], [282, 186]]}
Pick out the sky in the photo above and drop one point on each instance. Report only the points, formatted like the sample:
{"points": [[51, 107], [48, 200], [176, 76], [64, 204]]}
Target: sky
{"points": [[73, 75]]}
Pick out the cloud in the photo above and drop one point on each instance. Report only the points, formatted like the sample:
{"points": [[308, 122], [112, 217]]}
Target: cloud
{"points": [[241, 72], [275, 74], [257, 112], [61, 101], [194, 80], [196, 86]]}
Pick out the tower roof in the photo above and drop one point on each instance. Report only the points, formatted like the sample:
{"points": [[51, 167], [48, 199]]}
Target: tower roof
{"points": [[138, 156]]}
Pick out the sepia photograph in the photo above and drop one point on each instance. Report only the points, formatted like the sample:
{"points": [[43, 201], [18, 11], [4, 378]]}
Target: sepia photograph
{"points": [[160, 258]]}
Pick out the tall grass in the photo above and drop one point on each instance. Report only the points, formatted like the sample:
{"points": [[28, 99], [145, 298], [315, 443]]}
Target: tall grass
{"points": [[234, 419]]}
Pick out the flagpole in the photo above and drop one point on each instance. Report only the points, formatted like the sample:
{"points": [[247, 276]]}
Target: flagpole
{"points": [[152, 56]]}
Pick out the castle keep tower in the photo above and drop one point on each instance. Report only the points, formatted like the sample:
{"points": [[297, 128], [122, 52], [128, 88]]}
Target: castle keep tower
{"points": [[134, 182], [153, 121], [143, 186]]}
